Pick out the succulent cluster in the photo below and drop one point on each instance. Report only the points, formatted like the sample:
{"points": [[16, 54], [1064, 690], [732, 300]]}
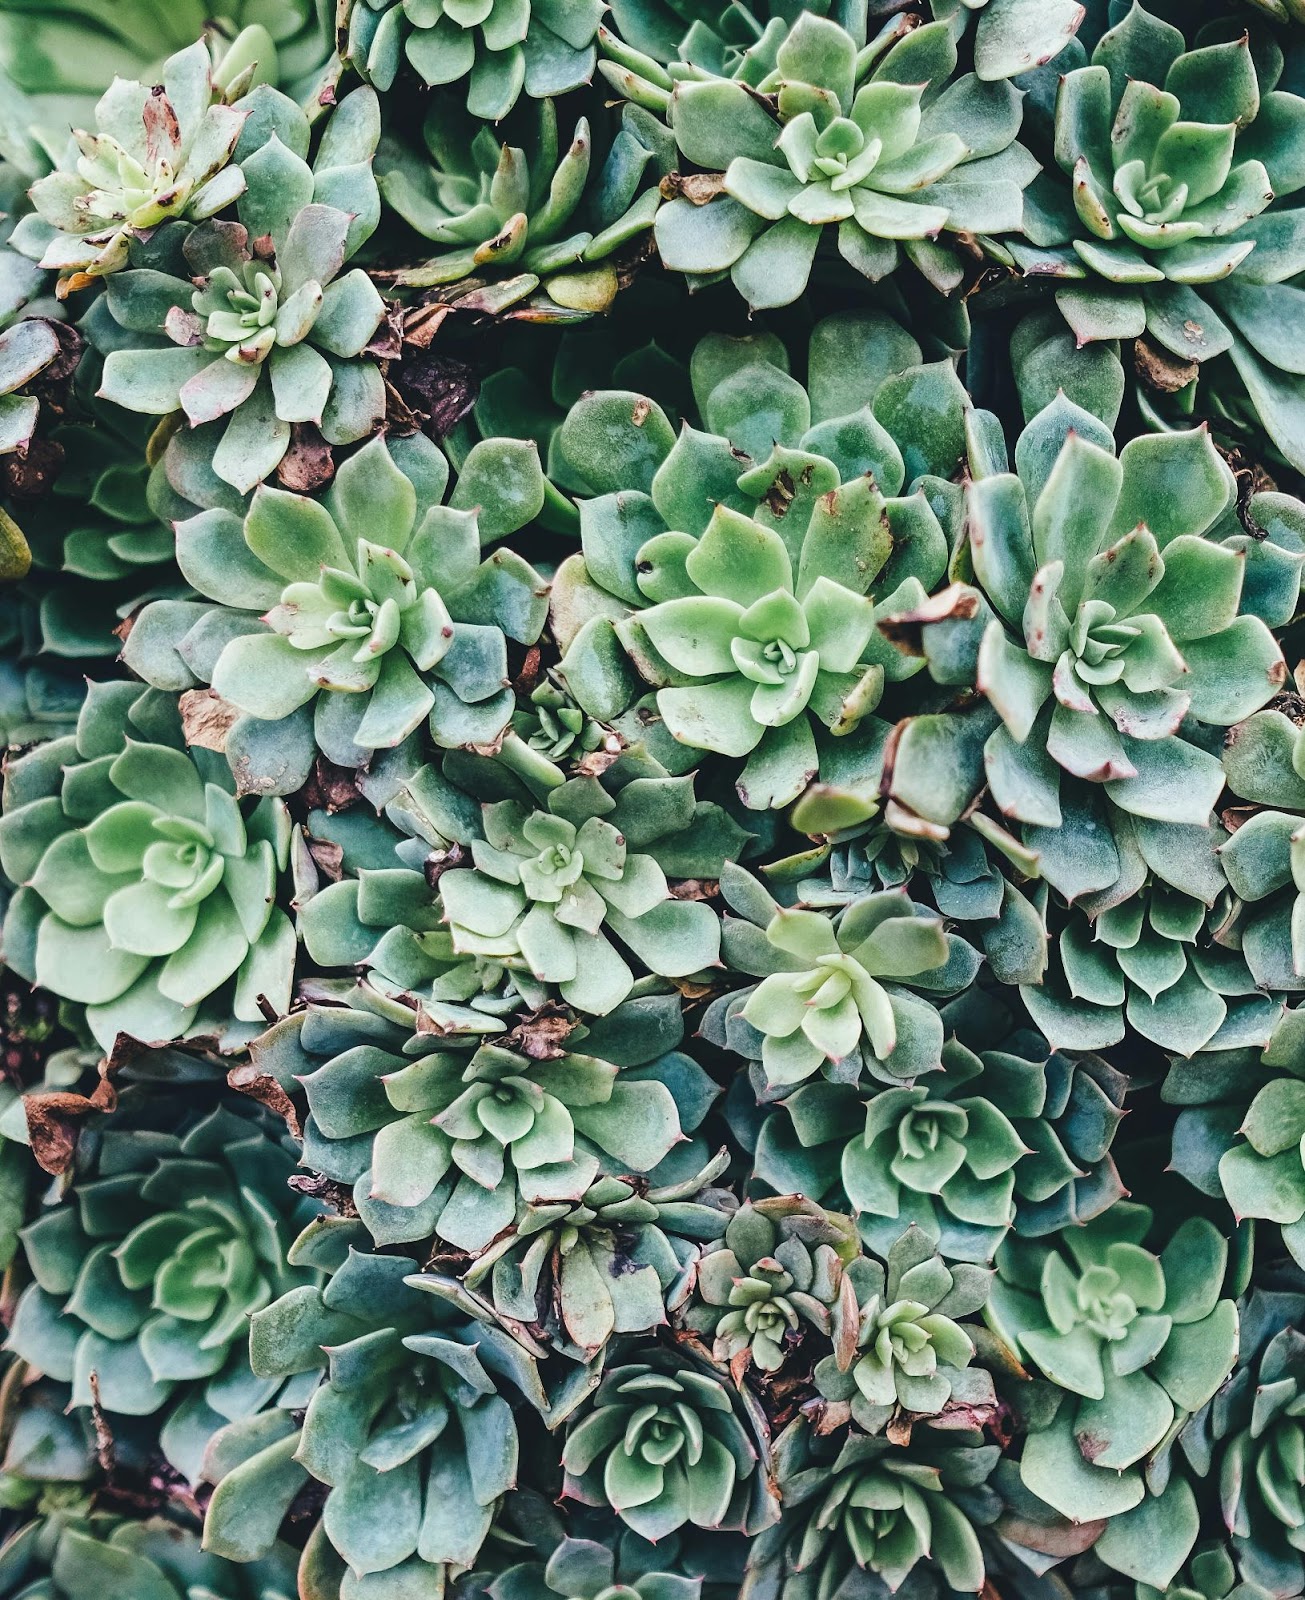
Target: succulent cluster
{"points": [[652, 839]]}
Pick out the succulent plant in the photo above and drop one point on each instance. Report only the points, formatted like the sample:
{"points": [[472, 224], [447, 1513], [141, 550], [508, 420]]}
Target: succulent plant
{"points": [[153, 155], [145, 1278], [1067, 1110], [778, 1264], [554, 885], [1132, 1339], [836, 993], [379, 598], [147, 889], [886, 143], [70, 1553], [866, 1514], [429, 1436], [437, 1136], [533, 212], [664, 1443], [1180, 225], [898, 1346], [499, 50], [777, 515], [606, 1263], [1118, 626], [255, 320], [938, 1154]]}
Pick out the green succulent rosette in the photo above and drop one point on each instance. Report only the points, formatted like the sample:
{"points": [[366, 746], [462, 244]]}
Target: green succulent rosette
{"points": [[613, 1261], [533, 216], [775, 1271], [153, 154], [1067, 1109], [251, 327], [73, 1553], [1109, 619], [498, 48], [381, 610], [432, 1437], [836, 994], [146, 889], [885, 143], [437, 1136], [898, 1346], [864, 1516], [665, 1443], [555, 884], [1161, 950], [1176, 218], [772, 521], [1133, 1339], [146, 1276]]}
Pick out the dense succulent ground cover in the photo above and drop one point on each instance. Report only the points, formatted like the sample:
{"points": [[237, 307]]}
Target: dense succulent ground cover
{"points": [[652, 850]]}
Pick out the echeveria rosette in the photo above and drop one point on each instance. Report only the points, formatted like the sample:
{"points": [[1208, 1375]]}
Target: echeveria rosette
{"points": [[898, 1347], [886, 144], [436, 1136], [1134, 1339], [1066, 1107], [1154, 958], [499, 47], [836, 992], [154, 154], [73, 1552], [1116, 620], [754, 651], [148, 890], [863, 1515], [553, 885], [381, 610], [146, 1277], [258, 327], [784, 487], [1178, 216], [938, 1154], [778, 1266], [406, 1413], [531, 215], [666, 1442], [611, 1262]]}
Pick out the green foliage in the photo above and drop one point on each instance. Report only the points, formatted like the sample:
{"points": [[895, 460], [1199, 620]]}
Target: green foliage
{"points": [[653, 829]]}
